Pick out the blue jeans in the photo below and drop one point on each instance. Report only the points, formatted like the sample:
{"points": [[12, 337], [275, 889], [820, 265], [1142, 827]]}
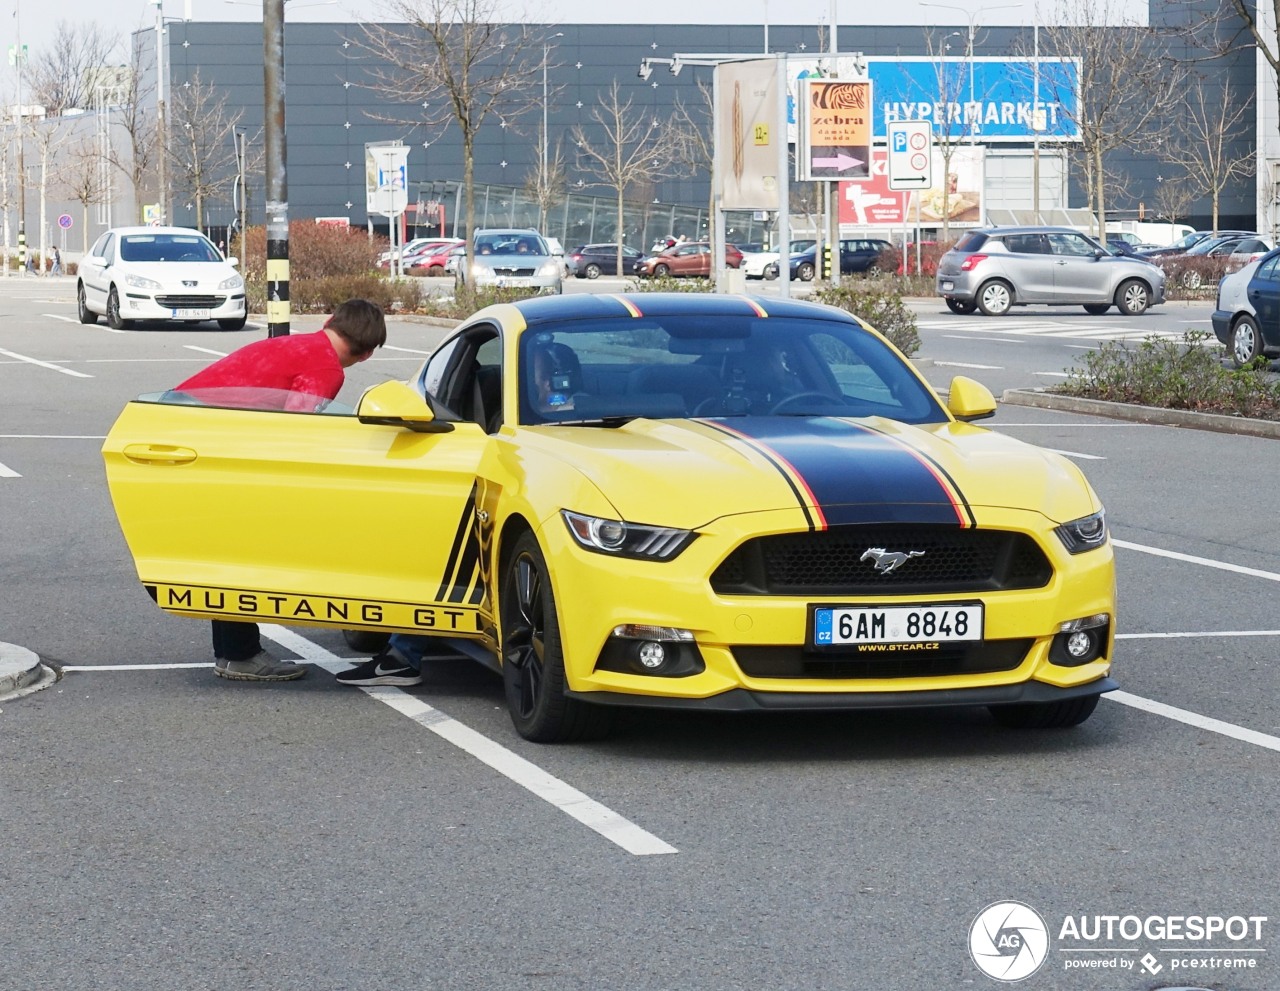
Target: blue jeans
{"points": [[411, 646]]}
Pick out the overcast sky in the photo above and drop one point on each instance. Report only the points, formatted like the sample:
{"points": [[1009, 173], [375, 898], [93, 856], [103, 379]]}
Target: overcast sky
{"points": [[37, 19]]}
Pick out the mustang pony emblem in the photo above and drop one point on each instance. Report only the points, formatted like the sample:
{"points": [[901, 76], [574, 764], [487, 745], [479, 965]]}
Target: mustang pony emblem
{"points": [[888, 561]]}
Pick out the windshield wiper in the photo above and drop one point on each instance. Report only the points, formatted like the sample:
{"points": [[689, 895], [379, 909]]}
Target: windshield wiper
{"points": [[600, 421]]}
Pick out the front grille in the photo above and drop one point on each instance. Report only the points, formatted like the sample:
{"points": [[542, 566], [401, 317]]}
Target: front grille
{"points": [[831, 562], [916, 662], [512, 271], [192, 302]]}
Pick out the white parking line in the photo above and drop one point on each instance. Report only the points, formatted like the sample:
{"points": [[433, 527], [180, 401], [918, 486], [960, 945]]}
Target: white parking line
{"points": [[194, 347], [392, 347], [7, 472], [527, 775], [1076, 454], [1192, 559], [1196, 720], [44, 364], [992, 340], [965, 364], [59, 316]]}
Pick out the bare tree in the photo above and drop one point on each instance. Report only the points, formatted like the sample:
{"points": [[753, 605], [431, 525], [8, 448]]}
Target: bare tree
{"points": [[47, 137], [548, 179], [137, 161], [1211, 127], [1126, 87], [949, 126], [1173, 198], [62, 77], [632, 148], [695, 122], [80, 173], [455, 62], [203, 156]]}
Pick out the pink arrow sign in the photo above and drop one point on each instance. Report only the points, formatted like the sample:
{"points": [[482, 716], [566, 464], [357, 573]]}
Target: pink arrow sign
{"points": [[841, 163]]}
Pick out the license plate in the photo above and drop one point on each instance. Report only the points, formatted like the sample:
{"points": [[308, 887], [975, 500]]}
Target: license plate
{"points": [[190, 314], [836, 626], [948, 285]]}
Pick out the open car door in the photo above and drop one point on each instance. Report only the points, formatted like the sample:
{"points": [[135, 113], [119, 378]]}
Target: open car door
{"points": [[251, 510]]}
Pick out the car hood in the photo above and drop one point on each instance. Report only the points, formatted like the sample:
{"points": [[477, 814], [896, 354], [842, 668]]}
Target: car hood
{"points": [[838, 471], [176, 275]]}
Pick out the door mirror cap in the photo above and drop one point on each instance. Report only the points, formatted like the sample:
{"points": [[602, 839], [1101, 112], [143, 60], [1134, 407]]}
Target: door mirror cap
{"points": [[395, 404], [970, 400]]}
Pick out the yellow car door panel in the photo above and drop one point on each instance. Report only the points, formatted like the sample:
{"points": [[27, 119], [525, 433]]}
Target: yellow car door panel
{"points": [[305, 518]]}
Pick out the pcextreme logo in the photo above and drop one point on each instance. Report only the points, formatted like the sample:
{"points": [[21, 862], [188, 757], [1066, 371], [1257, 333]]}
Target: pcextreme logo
{"points": [[1008, 941]]}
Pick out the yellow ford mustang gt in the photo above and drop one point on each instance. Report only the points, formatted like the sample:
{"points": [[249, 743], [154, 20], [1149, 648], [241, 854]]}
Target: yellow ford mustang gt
{"points": [[718, 502]]}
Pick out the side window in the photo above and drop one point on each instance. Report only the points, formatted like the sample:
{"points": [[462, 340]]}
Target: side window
{"points": [[1070, 244], [1268, 269], [99, 245], [452, 377], [109, 249]]}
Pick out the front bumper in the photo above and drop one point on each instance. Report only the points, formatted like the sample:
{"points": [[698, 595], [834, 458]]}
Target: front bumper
{"points": [[226, 305], [747, 700]]}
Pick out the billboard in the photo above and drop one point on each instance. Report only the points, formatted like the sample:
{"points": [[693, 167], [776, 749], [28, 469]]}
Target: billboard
{"points": [[836, 130], [746, 107], [872, 203], [992, 99]]}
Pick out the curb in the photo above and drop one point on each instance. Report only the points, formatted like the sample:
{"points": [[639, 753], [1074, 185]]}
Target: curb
{"points": [[1217, 422], [21, 668]]}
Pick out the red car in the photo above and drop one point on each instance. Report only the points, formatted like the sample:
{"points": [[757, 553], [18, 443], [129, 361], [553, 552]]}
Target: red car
{"points": [[432, 262], [689, 258]]}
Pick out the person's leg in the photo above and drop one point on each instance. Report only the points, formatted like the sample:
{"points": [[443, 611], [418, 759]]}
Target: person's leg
{"points": [[238, 655], [399, 664]]}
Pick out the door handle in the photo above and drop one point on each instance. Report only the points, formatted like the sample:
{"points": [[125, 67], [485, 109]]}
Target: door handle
{"points": [[158, 454]]}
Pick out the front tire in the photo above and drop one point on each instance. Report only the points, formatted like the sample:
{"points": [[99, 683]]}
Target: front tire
{"points": [[962, 306], [661, 271], [435, 271], [532, 655], [114, 320], [82, 306], [1133, 298], [366, 641], [995, 298], [1246, 341], [233, 323], [805, 272], [771, 272], [1045, 715]]}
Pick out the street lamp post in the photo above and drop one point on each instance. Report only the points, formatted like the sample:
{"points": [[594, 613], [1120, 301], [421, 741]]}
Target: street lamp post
{"points": [[972, 17], [161, 132], [543, 189]]}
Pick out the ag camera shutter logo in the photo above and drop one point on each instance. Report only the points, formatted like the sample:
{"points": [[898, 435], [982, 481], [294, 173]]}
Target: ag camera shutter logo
{"points": [[1008, 941]]}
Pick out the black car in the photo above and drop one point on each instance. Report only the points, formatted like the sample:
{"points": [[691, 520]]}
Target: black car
{"points": [[590, 261], [857, 254], [1194, 240]]}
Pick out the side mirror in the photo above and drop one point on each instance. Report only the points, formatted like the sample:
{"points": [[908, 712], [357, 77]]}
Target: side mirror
{"points": [[970, 400], [397, 405]]}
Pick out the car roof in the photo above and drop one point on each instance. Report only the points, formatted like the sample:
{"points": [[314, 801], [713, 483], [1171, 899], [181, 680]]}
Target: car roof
{"points": [[1029, 229], [592, 306], [147, 229]]}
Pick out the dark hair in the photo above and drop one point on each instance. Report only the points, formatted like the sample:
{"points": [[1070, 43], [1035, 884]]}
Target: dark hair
{"points": [[361, 324]]}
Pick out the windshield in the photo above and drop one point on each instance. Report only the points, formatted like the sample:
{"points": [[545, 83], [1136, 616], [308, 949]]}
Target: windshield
{"points": [[510, 243], [168, 248], [610, 371]]}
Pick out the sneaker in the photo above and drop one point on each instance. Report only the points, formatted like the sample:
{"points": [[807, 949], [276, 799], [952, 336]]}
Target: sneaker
{"points": [[388, 668], [260, 667]]}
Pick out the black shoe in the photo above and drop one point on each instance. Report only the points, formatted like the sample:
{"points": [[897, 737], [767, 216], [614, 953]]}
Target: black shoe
{"points": [[387, 668]]}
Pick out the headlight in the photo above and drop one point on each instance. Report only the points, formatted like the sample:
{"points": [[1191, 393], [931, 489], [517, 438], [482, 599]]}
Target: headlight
{"points": [[1084, 534], [138, 282], [231, 282], [650, 543], [549, 268], [481, 272]]}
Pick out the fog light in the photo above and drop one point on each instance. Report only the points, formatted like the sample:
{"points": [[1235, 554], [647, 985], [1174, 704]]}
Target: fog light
{"points": [[1080, 644], [652, 654]]}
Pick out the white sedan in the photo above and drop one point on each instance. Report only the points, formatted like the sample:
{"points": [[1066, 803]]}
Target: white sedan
{"points": [[159, 274]]}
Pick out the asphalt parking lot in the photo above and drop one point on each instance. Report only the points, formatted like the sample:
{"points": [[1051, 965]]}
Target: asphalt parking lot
{"points": [[167, 829]]}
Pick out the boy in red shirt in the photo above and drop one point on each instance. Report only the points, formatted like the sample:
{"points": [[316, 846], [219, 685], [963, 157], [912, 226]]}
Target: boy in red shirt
{"points": [[310, 368]]}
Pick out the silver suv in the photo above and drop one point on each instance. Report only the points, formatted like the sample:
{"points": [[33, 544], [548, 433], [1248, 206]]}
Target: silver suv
{"points": [[995, 268], [511, 257]]}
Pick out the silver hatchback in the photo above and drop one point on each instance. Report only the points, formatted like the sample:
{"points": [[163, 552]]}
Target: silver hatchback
{"points": [[993, 269]]}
